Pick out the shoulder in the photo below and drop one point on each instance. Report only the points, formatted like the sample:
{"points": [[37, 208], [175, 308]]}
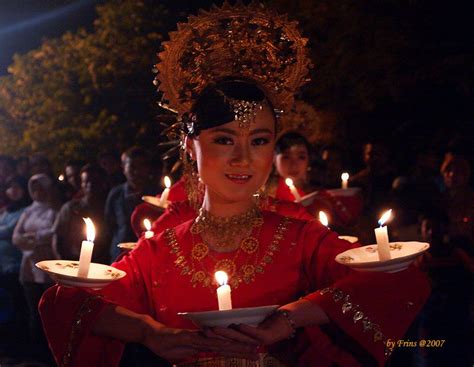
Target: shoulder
{"points": [[117, 190]]}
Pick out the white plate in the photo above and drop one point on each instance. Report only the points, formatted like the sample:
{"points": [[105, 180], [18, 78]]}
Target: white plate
{"points": [[153, 200], [65, 272], [351, 239], [249, 315], [366, 258], [127, 245]]}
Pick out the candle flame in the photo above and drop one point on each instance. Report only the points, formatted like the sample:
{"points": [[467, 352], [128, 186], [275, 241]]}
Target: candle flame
{"points": [[323, 218], [386, 216], [61, 177], [90, 230], [345, 176], [221, 277], [289, 182], [147, 224], [167, 182]]}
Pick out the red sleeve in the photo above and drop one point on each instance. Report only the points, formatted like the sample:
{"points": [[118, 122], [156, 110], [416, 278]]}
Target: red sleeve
{"points": [[176, 213], [68, 313], [369, 307], [142, 211]]}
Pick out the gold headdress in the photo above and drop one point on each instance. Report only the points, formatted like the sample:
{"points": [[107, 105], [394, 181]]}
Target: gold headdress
{"points": [[242, 42]]}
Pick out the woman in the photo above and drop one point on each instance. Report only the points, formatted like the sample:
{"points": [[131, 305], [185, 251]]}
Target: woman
{"points": [[33, 235], [292, 160], [10, 257], [270, 259]]}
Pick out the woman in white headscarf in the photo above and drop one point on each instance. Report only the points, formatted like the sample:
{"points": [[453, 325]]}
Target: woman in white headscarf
{"points": [[33, 236]]}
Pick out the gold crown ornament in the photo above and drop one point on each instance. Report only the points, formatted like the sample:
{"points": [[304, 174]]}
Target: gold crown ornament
{"points": [[249, 42]]}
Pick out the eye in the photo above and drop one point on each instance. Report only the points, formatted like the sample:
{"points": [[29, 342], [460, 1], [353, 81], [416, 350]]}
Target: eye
{"points": [[303, 157], [223, 140], [260, 141]]}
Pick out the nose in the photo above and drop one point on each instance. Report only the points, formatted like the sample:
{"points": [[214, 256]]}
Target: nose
{"points": [[241, 156]]}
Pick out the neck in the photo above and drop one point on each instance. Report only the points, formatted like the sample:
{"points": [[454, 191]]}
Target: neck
{"points": [[224, 208]]}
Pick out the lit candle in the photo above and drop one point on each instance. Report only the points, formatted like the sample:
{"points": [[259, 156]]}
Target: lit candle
{"points": [[165, 193], [344, 180], [323, 218], [294, 191], [381, 235], [149, 233], [61, 177], [223, 292], [86, 250]]}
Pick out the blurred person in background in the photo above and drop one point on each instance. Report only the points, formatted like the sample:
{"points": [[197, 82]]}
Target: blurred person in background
{"points": [[123, 199], [33, 236], [69, 226], [10, 258]]}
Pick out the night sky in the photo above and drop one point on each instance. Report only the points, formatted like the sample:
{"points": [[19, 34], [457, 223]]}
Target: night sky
{"points": [[24, 23]]}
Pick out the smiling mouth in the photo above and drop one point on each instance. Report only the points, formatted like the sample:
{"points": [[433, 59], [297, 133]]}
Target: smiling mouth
{"points": [[239, 178]]}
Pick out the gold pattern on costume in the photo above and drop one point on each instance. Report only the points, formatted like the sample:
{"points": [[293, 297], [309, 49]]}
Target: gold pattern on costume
{"points": [[257, 222], [245, 274], [249, 245], [196, 228], [199, 251], [226, 265], [354, 310]]}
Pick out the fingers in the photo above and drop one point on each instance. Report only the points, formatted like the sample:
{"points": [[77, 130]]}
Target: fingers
{"points": [[233, 333], [208, 344]]}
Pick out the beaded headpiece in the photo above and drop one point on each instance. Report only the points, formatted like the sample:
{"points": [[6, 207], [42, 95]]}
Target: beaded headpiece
{"points": [[242, 42]]}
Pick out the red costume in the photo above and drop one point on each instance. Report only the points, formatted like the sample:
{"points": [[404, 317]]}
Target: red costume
{"points": [[166, 275], [342, 206]]}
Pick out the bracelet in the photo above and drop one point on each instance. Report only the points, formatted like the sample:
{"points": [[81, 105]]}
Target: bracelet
{"points": [[290, 321]]}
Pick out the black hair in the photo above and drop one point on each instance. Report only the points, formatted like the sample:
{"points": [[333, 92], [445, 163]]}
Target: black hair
{"points": [[137, 152], [93, 168], [214, 108], [74, 163], [289, 140], [25, 200]]}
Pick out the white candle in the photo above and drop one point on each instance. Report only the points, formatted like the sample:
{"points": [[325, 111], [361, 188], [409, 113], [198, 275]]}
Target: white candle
{"points": [[323, 218], [86, 250], [345, 180], [381, 235], [165, 193], [293, 189], [223, 292], [149, 233]]}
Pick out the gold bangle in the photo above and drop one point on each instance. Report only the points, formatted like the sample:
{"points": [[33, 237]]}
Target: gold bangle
{"points": [[290, 321]]}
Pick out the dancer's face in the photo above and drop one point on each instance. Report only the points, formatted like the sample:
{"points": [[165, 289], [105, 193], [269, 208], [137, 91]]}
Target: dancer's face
{"points": [[234, 162]]}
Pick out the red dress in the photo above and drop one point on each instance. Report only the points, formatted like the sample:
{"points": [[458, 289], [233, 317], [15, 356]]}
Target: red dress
{"points": [[295, 258], [343, 206]]}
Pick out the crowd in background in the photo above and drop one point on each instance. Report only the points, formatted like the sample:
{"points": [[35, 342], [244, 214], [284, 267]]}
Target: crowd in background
{"points": [[41, 218]]}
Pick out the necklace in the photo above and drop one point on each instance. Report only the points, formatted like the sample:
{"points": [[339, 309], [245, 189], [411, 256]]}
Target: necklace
{"points": [[221, 232], [201, 264]]}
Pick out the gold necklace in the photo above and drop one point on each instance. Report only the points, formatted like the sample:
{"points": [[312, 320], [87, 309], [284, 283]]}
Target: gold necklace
{"points": [[203, 273], [222, 231]]}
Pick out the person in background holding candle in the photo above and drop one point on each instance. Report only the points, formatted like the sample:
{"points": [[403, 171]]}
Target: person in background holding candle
{"points": [[292, 160], [230, 128], [69, 225], [123, 198], [33, 235]]}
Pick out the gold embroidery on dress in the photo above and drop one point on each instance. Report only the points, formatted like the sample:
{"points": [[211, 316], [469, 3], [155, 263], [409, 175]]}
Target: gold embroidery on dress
{"points": [[246, 273], [348, 306]]}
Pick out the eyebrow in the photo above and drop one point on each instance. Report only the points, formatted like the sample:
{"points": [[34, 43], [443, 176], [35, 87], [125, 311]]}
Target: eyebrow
{"points": [[233, 132]]}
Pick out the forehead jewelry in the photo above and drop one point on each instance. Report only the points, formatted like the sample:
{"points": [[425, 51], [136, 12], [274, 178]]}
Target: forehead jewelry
{"points": [[245, 111]]}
